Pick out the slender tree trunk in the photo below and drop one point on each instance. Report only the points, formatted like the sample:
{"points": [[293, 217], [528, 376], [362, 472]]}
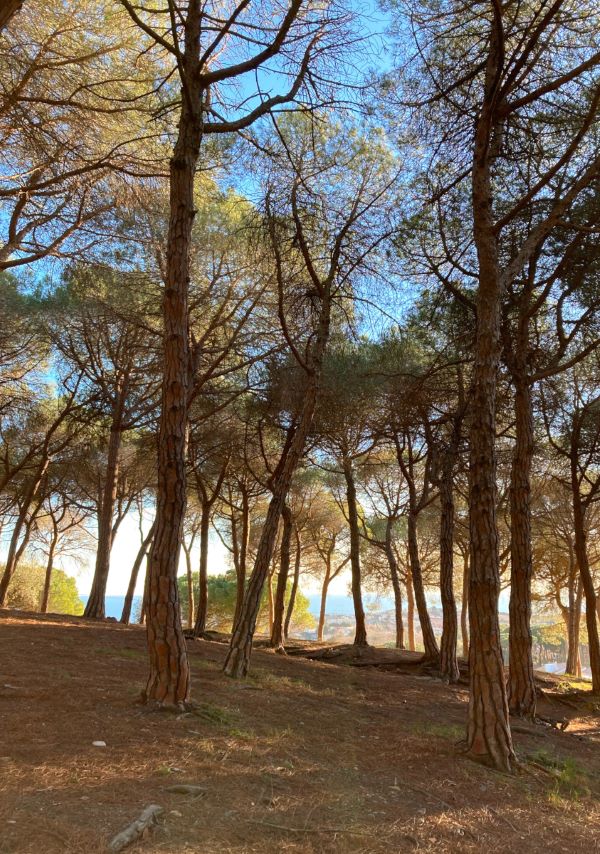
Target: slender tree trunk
{"points": [[243, 559], [410, 611], [360, 637], [464, 607], [323, 606], [202, 611], [142, 552], [15, 547], [294, 590], [95, 606], [587, 583], [432, 652], [48, 576], [284, 570], [521, 681], [238, 657], [395, 577], [448, 660], [169, 678]]}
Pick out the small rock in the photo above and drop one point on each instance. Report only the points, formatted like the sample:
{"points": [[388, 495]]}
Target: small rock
{"points": [[176, 812], [99, 743]]}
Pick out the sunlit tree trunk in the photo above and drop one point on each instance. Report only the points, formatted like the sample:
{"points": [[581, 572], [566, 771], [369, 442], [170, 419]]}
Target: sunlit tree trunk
{"points": [[432, 652], [294, 590], [282, 578], [396, 586], [360, 636]]}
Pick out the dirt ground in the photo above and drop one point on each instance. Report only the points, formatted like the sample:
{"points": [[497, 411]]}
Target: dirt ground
{"points": [[304, 756]]}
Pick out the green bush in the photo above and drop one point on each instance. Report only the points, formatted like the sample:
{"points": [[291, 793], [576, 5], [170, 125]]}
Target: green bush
{"points": [[27, 585]]}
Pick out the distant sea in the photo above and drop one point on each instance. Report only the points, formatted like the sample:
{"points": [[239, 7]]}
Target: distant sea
{"points": [[340, 605]]}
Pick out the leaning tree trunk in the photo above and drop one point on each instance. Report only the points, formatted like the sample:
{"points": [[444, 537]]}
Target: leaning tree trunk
{"points": [[396, 586], [284, 570], [169, 679], [589, 592], [432, 653], [521, 681], [242, 561], [95, 606], [142, 552], [202, 611], [48, 575], [294, 590], [573, 629], [238, 657], [323, 605], [360, 636], [448, 661]]}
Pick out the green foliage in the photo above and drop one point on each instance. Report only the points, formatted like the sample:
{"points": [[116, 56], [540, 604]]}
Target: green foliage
{"points": [[221, 603], [27, 585]]}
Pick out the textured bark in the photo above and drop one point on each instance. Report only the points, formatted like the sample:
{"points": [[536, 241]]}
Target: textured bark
{"points": [[242, 560], [95, 606], [432, 652], [360, 636], [294, 590], [282, 577], [238, 657], [396, 586], [448, 660], [573, 621], [202, 609], [587, 582], [488, 730], [169, 680], [142, 552], [521, 682]]}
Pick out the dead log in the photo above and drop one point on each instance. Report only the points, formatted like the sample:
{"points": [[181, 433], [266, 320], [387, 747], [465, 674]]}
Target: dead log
{"points": [[136, 829]]}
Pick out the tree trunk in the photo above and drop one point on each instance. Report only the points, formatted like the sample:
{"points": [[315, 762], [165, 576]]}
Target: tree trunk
{"points": [[573, 665], [323, 605], [284, 570], [95, 606], [360, 637], [16, 549], [48, 576], [395, 577], [142, 552], [432, 653], [464, 607], [448, 661], [8, 8], [587, 582], [238, 657], [202, 611], [169, 679], [243, 559], [294, 590], [521, 682], [410, 612]]}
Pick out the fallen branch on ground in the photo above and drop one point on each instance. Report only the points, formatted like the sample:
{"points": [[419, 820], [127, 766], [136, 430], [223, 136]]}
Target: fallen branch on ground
{"points": [[136, 829]]}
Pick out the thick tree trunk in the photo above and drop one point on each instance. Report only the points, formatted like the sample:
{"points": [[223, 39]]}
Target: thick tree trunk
{"points": [[294, 590], [395, 577], [464, 607], [448, 660], [360, 636], [169, 679], [284, 570], [142, 552], [410, 612], [432, 653], [202, 611], [238, 657], [95, 606], [587, 582], [521, 682]]}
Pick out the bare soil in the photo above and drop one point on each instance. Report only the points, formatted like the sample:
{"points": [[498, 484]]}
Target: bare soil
{"points": [[304, 756]]}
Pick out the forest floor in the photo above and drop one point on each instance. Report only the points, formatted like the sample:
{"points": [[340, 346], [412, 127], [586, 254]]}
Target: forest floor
{"points": [[304, 756]]}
